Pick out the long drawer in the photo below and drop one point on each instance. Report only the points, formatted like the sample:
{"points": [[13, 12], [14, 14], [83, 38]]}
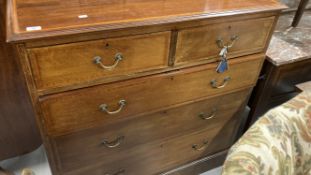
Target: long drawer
{"points": [[95, 106], [117, 139], [203, 43], [70, 64], [149, 158], [152, 159]]}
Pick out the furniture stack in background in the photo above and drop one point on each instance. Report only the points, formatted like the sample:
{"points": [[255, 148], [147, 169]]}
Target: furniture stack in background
{"points": [[288, 63]]}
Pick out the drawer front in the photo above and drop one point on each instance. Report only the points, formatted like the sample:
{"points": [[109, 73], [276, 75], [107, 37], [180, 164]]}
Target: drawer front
{"points": [[94, 106], [154, 158], [146, 129], [70, 64], [200, 43]]}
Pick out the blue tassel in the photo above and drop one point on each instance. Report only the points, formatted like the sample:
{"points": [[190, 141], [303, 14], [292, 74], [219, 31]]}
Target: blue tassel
{"points": [[223, 66]]}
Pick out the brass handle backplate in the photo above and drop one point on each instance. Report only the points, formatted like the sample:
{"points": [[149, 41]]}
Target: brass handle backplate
{"points": [[120, 172], [118, 57], [104, 108], [208, 117], [215, 85], [113, 144], [202, 147], [221, 44]]}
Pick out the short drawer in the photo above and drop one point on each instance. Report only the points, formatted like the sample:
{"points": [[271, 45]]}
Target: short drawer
{"points": [[71, 64], [71, 111], [201, 43], [116, 139]]}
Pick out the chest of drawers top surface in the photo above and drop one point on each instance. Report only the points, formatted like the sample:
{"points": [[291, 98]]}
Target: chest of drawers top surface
{"points": [[30, 19]]}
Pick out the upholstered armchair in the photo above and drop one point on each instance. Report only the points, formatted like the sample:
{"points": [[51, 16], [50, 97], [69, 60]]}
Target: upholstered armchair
{"points": [[277, 144]]}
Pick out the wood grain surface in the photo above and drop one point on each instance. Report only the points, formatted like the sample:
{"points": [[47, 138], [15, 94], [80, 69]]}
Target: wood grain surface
{"points": [[56, 40], [57, 17], [70, 64], [201, 43], [76, 110], [149, 158], [146, 129]]}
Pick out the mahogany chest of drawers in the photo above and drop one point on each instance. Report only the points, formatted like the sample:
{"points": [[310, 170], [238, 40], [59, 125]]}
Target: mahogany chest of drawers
{"points": [[131, 87]]}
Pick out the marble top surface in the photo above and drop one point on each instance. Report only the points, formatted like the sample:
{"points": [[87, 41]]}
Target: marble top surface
{"points": [[290, 45], [305, 87]]}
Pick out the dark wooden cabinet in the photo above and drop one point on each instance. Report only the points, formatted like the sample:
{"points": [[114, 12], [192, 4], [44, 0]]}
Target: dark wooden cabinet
{"points": [[18, 130], [277, 85]]}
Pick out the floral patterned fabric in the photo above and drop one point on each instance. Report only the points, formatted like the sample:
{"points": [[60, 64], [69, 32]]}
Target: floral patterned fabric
{"points": [[277, 144]]}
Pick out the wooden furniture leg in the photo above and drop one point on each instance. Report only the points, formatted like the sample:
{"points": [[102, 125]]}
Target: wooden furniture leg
{"points": [[299, 13]]}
